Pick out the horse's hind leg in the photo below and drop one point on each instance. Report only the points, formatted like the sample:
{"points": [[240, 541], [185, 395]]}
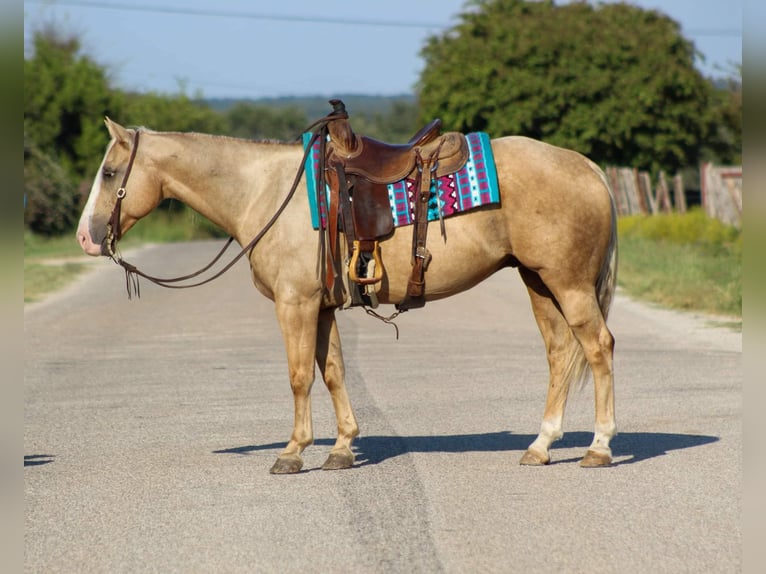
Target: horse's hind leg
{"points": [[558, 339], [588, 325], [329, 357], [584, 316]]}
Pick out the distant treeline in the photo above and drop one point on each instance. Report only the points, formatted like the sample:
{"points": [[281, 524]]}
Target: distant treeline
{"points": [[317, 106]]}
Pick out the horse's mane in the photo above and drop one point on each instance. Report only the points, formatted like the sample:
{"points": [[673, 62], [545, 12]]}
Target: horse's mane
{"points": [[144, 129]]}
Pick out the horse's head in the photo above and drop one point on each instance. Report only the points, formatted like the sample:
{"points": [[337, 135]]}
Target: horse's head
{"points": [[123, 173]]}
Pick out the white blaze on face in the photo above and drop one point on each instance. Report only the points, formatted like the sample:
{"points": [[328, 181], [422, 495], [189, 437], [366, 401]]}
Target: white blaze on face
{"points": [[83, 228]]}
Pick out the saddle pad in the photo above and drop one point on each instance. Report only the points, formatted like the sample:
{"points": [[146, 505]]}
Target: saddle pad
{"points": [[474, 185]]}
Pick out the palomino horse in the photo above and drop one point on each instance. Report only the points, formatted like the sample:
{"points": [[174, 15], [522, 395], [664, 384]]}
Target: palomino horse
{"points": [[556, 222]]}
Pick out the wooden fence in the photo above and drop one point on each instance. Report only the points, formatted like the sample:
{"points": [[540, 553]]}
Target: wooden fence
{"points": [[721, 189], [720, 192]]}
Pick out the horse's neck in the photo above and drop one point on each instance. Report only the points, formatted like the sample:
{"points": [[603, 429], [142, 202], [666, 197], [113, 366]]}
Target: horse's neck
{"points": [[227, 180]]}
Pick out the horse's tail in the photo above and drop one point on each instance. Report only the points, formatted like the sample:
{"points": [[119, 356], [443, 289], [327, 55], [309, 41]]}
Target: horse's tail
{"points": [[607, 277], [577, 368]]}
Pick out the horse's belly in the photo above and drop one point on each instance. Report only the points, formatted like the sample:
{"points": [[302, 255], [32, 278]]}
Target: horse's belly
{"points": [[468, 256]]}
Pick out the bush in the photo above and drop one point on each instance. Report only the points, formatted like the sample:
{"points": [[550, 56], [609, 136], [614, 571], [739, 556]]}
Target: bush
{"points": [[51, 198], [693, 228]]}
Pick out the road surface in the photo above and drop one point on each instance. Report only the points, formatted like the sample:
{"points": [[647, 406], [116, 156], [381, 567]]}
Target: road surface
{"points": [[151, 424]]}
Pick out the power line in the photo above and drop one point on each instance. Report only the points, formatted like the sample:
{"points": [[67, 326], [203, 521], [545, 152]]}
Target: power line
{"points": [[717, 32], [240, 15]]}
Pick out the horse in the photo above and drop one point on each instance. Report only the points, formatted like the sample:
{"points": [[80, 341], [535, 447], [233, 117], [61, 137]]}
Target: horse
{"points": [[555, 223]]}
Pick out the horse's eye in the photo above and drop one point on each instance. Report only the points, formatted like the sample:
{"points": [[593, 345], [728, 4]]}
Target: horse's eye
{"points": [[108, 172]]}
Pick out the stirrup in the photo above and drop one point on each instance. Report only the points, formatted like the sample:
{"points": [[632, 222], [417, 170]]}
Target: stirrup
{"points": [[378, 273]]}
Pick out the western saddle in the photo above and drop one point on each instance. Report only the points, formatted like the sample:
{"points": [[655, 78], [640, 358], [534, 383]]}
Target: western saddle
{"points": [[357, 170]]}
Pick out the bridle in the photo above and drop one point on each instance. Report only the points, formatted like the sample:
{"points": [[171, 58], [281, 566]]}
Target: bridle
{"points": [[132, 273], [113, 229]]}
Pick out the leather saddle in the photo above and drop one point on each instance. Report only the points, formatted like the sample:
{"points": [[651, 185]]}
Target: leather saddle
{"points": [[358, 170]]}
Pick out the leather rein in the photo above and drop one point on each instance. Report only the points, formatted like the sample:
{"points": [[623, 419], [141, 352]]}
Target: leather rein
{"points": [[132, 273]]}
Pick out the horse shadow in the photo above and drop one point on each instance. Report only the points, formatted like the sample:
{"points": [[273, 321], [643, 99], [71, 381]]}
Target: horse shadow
{"points": [[37, 459], [372, 450]]}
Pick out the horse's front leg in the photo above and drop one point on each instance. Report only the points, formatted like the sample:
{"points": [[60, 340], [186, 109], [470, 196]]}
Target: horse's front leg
{"points": [[298, 322], [329, 357]]}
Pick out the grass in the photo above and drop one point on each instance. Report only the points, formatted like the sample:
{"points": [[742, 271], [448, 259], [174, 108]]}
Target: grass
{"points": [[688, 262], [47, 267], [42, 279]]}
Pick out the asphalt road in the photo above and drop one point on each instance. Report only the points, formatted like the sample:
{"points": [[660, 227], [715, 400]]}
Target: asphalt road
{"points": [[151, 424]]}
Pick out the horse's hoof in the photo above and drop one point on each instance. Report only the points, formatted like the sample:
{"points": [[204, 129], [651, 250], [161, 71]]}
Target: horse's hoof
{"points": [[339, 461], [534, 458], [595, 459], [287, 464]]}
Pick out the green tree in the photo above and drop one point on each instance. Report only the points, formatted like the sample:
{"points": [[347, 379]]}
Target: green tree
{"points": [[725, 144], [51, 203], [257, 122], [66, 95], [167, 113], [398, 124], [615, 82]]}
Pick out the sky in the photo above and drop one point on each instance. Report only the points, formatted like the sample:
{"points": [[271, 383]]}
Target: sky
{"points": [[248, 49]]}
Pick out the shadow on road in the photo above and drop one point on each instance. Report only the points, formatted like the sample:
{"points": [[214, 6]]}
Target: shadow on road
{"points": [[376, 449], [37, 459]]}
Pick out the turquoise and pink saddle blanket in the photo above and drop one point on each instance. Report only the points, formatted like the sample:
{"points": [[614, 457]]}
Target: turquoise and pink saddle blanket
{"points": [[473, 186]]}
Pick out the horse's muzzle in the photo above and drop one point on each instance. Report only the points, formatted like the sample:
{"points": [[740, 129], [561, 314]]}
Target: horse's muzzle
{"points": [[87, 244]]}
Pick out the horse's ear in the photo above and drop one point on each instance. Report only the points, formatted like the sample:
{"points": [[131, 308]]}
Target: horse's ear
{"points": [[117, 132]]}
